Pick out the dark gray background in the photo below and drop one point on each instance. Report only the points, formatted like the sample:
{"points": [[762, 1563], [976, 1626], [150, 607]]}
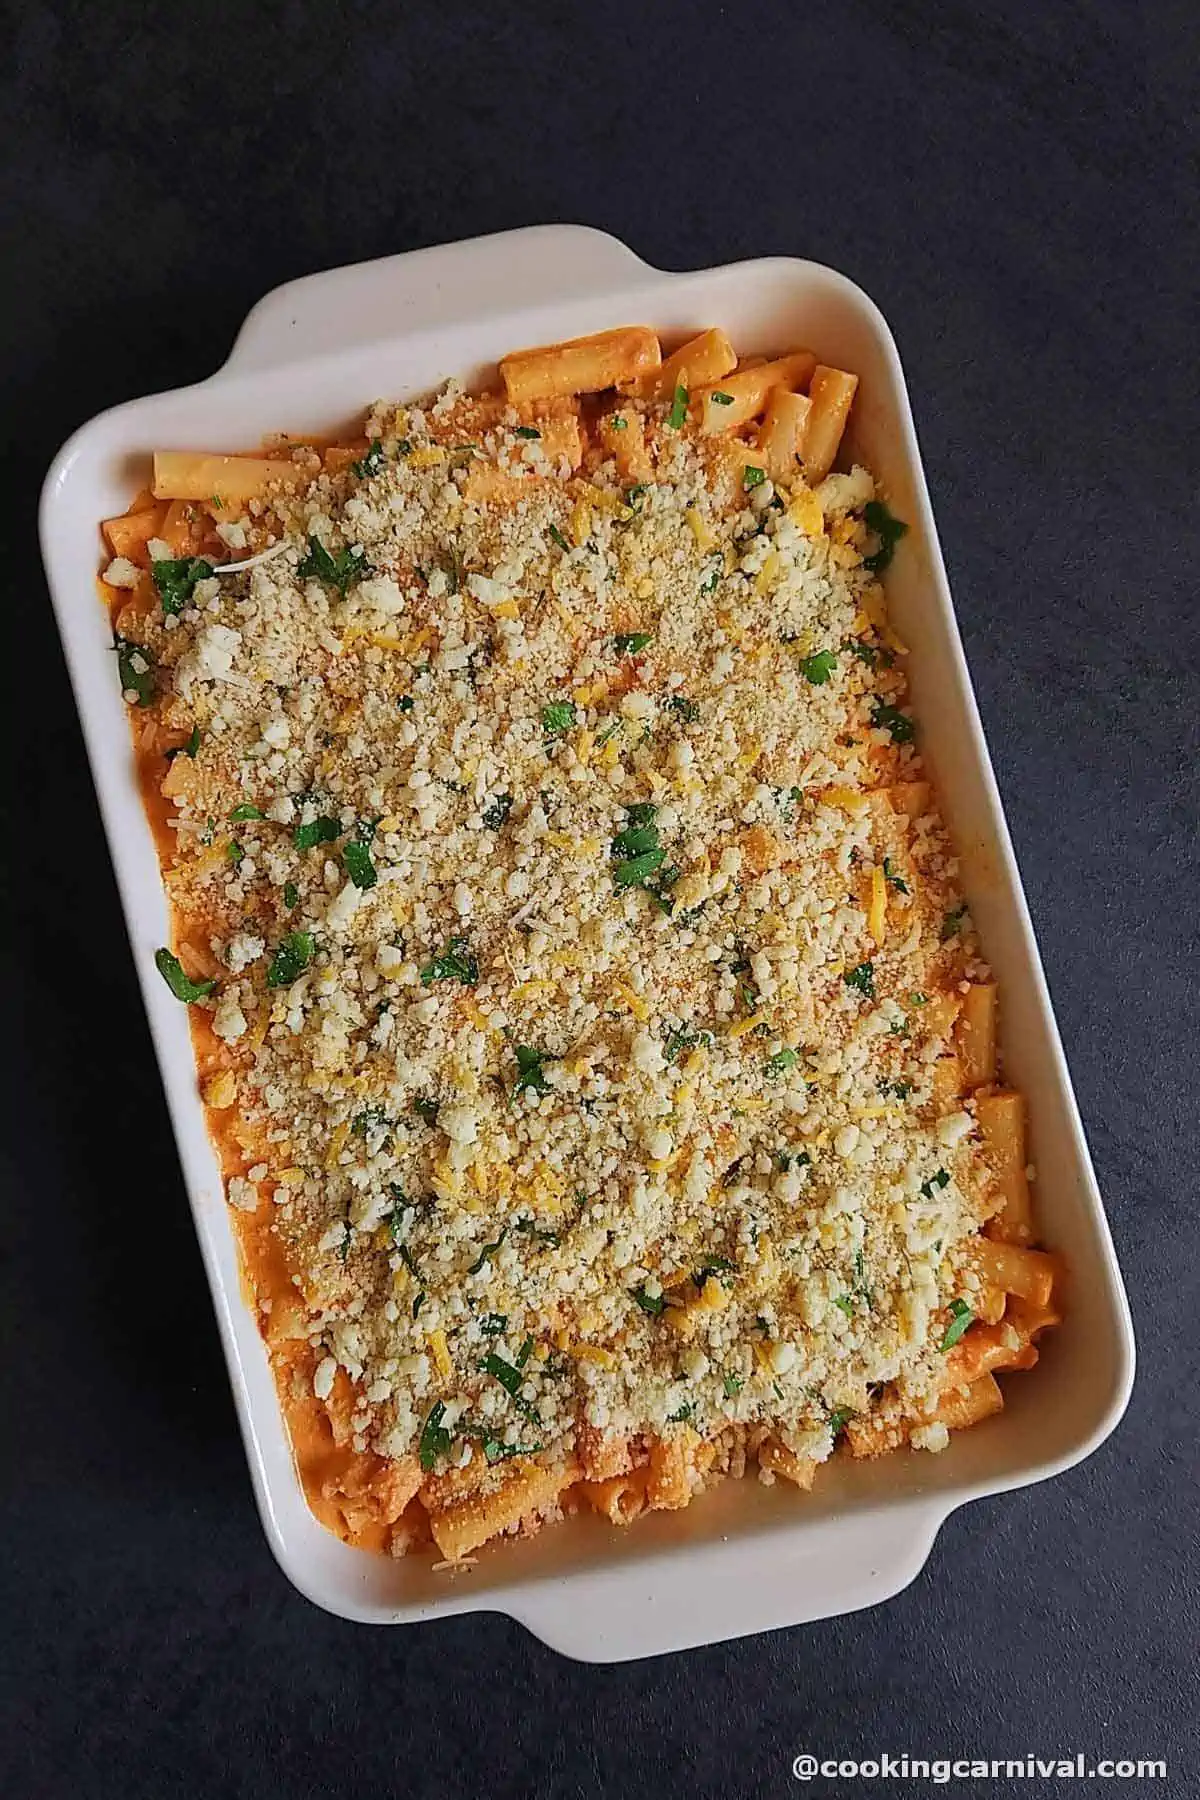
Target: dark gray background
{"points": [[1012, 184]]}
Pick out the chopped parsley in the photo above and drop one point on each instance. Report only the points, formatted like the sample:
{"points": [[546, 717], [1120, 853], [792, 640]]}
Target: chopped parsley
{"points": [[712, 1265], [494, 1324], [951, 922], [752, 477], [496, 1452], [531, 1076], [191, 748], [716, 569], [495, 814], [371, 463], [356, 857], [135, 669], [367, 1121], [733, 1385], [838, 1419], [893, 880], [427, 1110], [890, 718], [322, 830], [679, 406], [180, 984], [244, 812], [454, 963], [557, 717], [817, 668], [649, 1303], [526, 431], [617, 423], [960, 1317], [939, 1179], [862, 977], [679, 1041], [889, 529], [723, 399], [175, 580], [635, 871], [487, 1253], [782, 1061], [234, 852], [337, 571], [406, 703], [559, 539], [628, 643], [291, 894], [509, 1375], [291, 959], [634, 840], [683, 708], [435, 1439]]}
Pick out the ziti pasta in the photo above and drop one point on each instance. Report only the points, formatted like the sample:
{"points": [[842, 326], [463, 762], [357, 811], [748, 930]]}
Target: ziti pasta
{"points": [[598, 1046]]}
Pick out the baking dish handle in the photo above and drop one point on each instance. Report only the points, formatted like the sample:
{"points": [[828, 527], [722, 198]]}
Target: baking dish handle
{"points": [[634, 1612], [372, 300]]}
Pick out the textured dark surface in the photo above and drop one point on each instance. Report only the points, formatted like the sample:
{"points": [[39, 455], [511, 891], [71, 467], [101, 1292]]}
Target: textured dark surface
{"points": [[1012, 184]]}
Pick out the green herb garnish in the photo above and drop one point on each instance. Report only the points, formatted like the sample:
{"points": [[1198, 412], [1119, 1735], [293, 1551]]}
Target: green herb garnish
{"points": [[337, 571], [557, 717], [892, 879], [291, 959], [531, 1076], [732, 1384], [487, 1253], [455, 963], [435, 1439], [367, 1121], [951, 922], [318, 831], [890, 718], [683, 708], [494, 1324], [818, 668], [427, 1110], [637, 869], [628, 643], [679, 1041], [180, 984], [649, 1303], [960, 1317], [406, 703], [723, 399], [234, 852], [496, 1452], [679, 406], [526, 431], [715, 571], [559, 539], [497, 812], [890, 530], [176, 580], [844, 1304], [839, 1419], [782, 1061], [617, 423], [244, 812], [191, 748], [134, 680], [356, 858], [753, 477], [863, 978], [683, 1415], [371, 463], [291, 894], [939, 1179]]}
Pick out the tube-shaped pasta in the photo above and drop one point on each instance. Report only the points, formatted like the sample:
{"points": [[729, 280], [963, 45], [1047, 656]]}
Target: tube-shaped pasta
{"points": [[774, 1455], [620, 1498], [1002, 1122], [781, 434], [585, 365], [522, 1489], [1028, 1273], [736, 398], [623, 437], [190, 475], [129, 535], [698, 363], [975, 1034], [963, 1406], [832, 392]]}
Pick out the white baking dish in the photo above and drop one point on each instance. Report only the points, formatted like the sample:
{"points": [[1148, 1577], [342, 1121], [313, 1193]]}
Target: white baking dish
{"points": [[744, 1558]]}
